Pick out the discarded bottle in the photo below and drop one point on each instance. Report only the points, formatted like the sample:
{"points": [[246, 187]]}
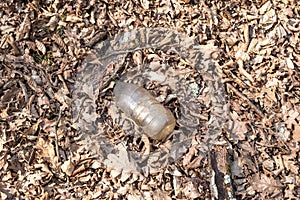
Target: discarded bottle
{"points": [[138, 104]]}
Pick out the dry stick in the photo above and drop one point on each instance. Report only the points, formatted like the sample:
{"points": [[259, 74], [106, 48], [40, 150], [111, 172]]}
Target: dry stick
{"points": [[239, 94], [31, 156], [56, 136], [24, 90], [246, 37]]}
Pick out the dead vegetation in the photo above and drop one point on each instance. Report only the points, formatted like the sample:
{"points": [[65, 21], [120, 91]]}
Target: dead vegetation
{"points": [[42, 43]]}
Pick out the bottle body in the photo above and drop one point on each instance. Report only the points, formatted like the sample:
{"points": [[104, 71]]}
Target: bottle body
{"points": [[138, 104]]}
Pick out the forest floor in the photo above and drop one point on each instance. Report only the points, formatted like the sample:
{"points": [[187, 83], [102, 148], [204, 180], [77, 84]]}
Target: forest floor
{"points": [[43, 44]]}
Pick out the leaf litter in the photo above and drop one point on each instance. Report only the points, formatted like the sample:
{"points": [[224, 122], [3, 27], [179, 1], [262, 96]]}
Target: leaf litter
{"points": [[43, 43]]}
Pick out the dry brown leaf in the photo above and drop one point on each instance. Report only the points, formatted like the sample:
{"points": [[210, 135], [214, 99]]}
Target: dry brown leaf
{"points": [[41, 47], [267, 184], [296, 133], [24, 28], [67, 167], [73, 18], [59, 41], [46, 150], [53, 22]]}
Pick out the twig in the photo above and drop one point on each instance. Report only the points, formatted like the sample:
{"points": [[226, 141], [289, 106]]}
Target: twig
{"points": [[24, 90], [243, 97], [246, 37], [96, 38], [31, 156], [56, 136]]}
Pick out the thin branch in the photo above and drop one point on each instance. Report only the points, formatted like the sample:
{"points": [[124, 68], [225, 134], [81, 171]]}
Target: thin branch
{"points": [[243, 97], [56, 136]]}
